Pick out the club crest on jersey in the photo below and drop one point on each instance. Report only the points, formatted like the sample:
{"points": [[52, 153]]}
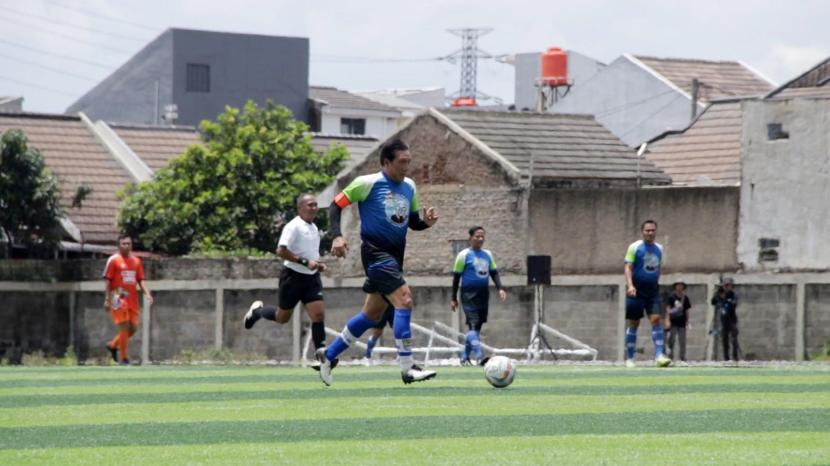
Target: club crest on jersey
{"points": [[651, 263], [481, 266], [397, 209]]}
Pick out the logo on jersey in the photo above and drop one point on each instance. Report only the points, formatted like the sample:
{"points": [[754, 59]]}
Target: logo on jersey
{"points": [[397, 209], [481, 266], [651, 263]]}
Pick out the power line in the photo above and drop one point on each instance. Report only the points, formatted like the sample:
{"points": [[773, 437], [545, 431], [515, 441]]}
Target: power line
{"points": [[64, 57], [628, 105], [48, 68], [99, 15], [59, 34], [36, 86], [73, 26], [346, 59]]}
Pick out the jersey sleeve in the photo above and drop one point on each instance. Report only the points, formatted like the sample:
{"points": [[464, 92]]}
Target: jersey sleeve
{"points": [[357, 191], [109, 269], [415, 205], [460, 259], [631, 254], [287, 235], [493, 265]]}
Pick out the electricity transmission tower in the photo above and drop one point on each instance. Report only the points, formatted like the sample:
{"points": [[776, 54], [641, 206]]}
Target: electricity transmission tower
{"points": [[468, 55]]}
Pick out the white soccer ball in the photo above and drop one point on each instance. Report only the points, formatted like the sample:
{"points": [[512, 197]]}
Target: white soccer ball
{"points": [[500, 371]]}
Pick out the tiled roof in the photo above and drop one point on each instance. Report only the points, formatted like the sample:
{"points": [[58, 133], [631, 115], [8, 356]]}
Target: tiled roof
{"points": [[155, 145], [707, 152], [343, 99], [816, 77], [718, 79], [803, 92], [563, 146], [73, 154]]}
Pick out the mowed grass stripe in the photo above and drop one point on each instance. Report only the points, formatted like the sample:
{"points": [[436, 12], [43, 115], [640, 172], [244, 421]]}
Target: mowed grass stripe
{"points": [[684, 449], [381, 406], [358, 429], [435, 391], [802, 448], [81, 376]]}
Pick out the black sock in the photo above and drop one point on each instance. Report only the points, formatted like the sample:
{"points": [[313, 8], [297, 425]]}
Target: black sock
{"points": [[318, 334], [269, 313]]}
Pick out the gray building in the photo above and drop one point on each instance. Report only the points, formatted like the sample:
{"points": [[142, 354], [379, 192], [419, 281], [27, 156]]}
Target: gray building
{"points": [[639, 98], [200, 72]]}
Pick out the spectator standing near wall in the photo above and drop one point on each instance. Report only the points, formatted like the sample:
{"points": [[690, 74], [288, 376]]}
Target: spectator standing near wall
{"points": [[677, 310]]}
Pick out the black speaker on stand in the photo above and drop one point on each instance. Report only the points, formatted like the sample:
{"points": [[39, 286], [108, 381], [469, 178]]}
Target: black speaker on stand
{"points": [[538, 275]]}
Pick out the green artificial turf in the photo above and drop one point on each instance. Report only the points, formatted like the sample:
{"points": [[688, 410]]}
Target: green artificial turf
{"points": [[550, 415]]}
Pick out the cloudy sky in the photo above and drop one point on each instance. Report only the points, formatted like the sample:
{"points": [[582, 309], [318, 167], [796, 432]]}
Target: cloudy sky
{"points": [[53, 51]]}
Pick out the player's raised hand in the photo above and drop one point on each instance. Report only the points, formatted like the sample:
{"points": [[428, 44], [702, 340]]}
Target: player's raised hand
{"points": [[339, 247], [430, 216]]}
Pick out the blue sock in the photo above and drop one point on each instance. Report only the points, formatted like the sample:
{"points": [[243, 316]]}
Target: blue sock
{"points": [[356, 326], [475, 343], [403, 337], [370, 345], [467, 347], [658, 337], [630, 341]]}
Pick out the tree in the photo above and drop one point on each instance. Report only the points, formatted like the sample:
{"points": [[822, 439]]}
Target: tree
{"points": [[234, 191], [29, 196]]}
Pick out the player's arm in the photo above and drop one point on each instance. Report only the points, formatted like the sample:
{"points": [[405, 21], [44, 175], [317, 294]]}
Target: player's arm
{"points": [[457, 270], [415, 221], [356, 191], [628, 270], [494, 274], [140, 280], [108, 276], [285, 254]]}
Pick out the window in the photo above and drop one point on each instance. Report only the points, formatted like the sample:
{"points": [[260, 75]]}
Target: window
{"points": [[458, 245], [353, 126], [198, 78], [776, 131]]}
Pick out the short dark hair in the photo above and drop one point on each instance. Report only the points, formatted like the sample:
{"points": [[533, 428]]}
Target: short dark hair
{"points": [[390, 148], [124, 235], [646, 223], [474, 229]]}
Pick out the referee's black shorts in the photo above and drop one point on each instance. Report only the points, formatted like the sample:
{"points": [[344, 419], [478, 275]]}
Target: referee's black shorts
{"points": [[299, 287]]}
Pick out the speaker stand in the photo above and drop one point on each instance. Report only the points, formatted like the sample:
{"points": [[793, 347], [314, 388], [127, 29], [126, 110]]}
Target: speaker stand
{"points": [[538, 342]]}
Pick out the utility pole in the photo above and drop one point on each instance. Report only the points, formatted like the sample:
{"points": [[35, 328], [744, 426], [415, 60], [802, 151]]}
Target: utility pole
{"points": [[695, 96]]}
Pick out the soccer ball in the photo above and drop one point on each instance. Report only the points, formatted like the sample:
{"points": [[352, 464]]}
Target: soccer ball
{"points": [[500, 371]]}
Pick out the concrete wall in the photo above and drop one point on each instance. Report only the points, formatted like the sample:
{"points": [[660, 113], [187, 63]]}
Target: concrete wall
{"points": [[631, 102], [128, 95], [528, 68], [588, 231], [777, 321], [242, 67], [785, 184]]}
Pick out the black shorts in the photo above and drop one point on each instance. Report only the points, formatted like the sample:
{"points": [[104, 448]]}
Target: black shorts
{"points": [[476, 305], [637, 306], [296, 287], [388, 318], [384, 272]]}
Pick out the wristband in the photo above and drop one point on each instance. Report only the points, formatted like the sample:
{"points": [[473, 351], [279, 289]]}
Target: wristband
{"points": [[303, 261]]}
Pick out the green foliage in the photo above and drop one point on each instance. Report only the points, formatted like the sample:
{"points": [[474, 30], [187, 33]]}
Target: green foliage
{"points": [[235, 191], [29, 194], [823, 355]]}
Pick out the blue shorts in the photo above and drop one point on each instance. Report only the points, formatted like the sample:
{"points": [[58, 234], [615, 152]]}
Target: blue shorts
{"points": [[637, 306]]}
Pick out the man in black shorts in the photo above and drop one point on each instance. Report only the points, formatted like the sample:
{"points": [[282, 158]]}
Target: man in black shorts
{"points": [[299, 247]]}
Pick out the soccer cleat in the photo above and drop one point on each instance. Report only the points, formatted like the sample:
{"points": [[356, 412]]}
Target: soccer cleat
{"points": [[662, 361], [124, 362], [630, 363], [113, 352], [483, 361], [416, 374], [325, 366], [252, 315], [317, 359]]}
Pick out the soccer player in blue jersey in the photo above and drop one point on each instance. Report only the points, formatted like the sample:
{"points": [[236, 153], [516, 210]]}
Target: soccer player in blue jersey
{"points": [[473, 268], [642, 274], [388, 205]]}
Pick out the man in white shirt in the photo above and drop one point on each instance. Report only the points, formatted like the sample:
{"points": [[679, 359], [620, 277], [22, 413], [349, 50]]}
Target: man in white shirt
{"points": [[299, 247]]}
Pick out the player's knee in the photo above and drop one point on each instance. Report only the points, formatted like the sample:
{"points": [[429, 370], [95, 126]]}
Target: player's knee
{"points": [[282, 316]]}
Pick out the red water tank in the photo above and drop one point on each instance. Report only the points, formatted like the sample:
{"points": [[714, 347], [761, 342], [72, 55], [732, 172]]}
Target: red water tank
{"points": [[555, 67], [464, 102]]}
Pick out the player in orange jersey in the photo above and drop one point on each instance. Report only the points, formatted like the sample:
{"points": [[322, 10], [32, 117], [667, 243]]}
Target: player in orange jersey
{"points": [[124, 274]]}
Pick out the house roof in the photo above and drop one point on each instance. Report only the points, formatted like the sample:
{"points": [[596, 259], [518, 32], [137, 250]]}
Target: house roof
{"points": [[555, 146], [707, 152], [343, 99], [718, 79], [822, 92], [816, 77], [157, 145], [72, 153]]}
